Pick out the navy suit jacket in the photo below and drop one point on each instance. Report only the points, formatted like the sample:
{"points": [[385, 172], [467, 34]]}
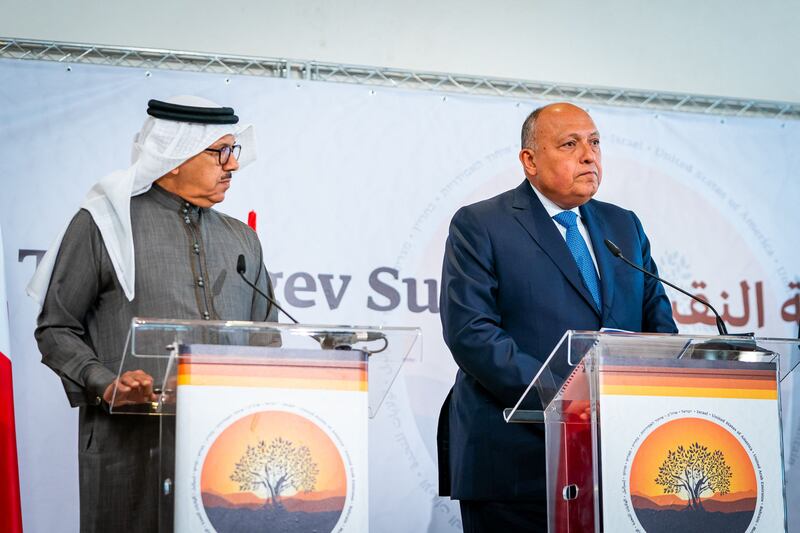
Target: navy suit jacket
{"points": [[510, 289]]}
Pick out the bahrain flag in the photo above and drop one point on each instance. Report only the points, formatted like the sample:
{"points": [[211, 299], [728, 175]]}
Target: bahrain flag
{"points": [[10, 511]]}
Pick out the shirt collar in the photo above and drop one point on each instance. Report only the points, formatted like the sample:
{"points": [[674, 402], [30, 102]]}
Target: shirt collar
{"points": [[171, 200], [550, 206]]}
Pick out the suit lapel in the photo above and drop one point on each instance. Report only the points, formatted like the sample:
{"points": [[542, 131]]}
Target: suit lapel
{"points": [[532, 215], [605, 261]]}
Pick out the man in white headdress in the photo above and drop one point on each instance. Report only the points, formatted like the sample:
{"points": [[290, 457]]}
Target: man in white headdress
{"points": [[145, 243]]}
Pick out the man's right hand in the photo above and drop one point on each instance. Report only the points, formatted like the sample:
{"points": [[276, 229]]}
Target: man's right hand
{"points": [[133, 387]]}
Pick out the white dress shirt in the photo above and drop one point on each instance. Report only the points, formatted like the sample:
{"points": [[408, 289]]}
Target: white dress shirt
{"points": [[552, 210]]}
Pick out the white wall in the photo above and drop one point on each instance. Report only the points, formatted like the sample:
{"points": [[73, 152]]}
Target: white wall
{"points": [[744, 49]]}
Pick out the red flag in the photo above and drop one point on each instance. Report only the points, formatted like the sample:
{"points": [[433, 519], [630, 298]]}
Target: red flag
{"points": [[10, 510]]}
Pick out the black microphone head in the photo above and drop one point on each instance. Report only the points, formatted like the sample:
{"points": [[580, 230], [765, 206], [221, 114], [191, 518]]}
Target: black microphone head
{"points": [[241, 265], [613, 248]]}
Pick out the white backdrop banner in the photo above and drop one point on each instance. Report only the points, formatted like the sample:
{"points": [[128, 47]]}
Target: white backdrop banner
{"points": [[354, 189]]}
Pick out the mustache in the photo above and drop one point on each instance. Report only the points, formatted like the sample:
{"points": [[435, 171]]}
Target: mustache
{"points": [[227, 176]]}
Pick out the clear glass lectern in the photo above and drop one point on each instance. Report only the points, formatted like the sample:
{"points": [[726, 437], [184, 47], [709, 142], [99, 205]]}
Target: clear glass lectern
{"points": [[649, 432], [264, 426]]}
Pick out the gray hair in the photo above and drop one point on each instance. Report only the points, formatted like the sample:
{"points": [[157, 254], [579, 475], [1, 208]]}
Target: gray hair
{"points": [[529, 128]]}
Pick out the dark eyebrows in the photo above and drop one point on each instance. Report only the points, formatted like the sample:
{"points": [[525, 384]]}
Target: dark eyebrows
{"points": [[576, 136], [219, 145]]}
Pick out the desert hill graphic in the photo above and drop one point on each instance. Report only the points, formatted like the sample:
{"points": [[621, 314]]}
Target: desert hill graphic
{"points": [[315, 502], [721, 513], [727, 503], [246, 512]]}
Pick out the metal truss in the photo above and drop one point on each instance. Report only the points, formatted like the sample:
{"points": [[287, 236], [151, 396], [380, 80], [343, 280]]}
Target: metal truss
{"points": [[148, 58]]}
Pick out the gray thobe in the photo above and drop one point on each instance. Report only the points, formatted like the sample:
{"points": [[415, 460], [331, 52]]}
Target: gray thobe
{"points": [[186, 260]]}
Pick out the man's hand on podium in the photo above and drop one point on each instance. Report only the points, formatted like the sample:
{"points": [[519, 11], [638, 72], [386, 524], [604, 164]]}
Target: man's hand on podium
{"points": [[133, 387]]}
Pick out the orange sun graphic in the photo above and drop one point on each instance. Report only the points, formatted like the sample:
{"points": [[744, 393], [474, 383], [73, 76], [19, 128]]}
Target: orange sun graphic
{"points": [[221, 486], [693, 470], [686, 431]]}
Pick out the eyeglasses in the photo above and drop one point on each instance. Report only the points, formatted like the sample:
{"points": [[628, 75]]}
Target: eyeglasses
{"points": [[225, 152]]}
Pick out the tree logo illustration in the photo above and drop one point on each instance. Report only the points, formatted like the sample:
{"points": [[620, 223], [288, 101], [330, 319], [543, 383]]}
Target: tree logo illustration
{"points": [[696, 472], [277, 466], [692, 474], [275, 471]]}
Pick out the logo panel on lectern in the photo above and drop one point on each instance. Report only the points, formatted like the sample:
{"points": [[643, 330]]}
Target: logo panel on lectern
{"points": [[273, 470], [692, 474]]}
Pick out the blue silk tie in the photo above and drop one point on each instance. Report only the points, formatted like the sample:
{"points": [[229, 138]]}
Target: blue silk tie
{"points": [[577, 246]]}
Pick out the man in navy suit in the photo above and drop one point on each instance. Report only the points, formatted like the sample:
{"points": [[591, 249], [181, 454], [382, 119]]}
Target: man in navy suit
{"points": [[519, 270]]}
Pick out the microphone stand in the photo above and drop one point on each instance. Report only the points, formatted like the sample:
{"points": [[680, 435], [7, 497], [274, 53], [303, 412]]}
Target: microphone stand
{"points": [[614, 249], [241, 269], [327, 342]]}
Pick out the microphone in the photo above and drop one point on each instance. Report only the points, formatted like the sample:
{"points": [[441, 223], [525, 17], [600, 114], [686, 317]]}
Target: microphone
{"points": [[339, 340], [241, 268], [331, 341], [614, 249]]}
